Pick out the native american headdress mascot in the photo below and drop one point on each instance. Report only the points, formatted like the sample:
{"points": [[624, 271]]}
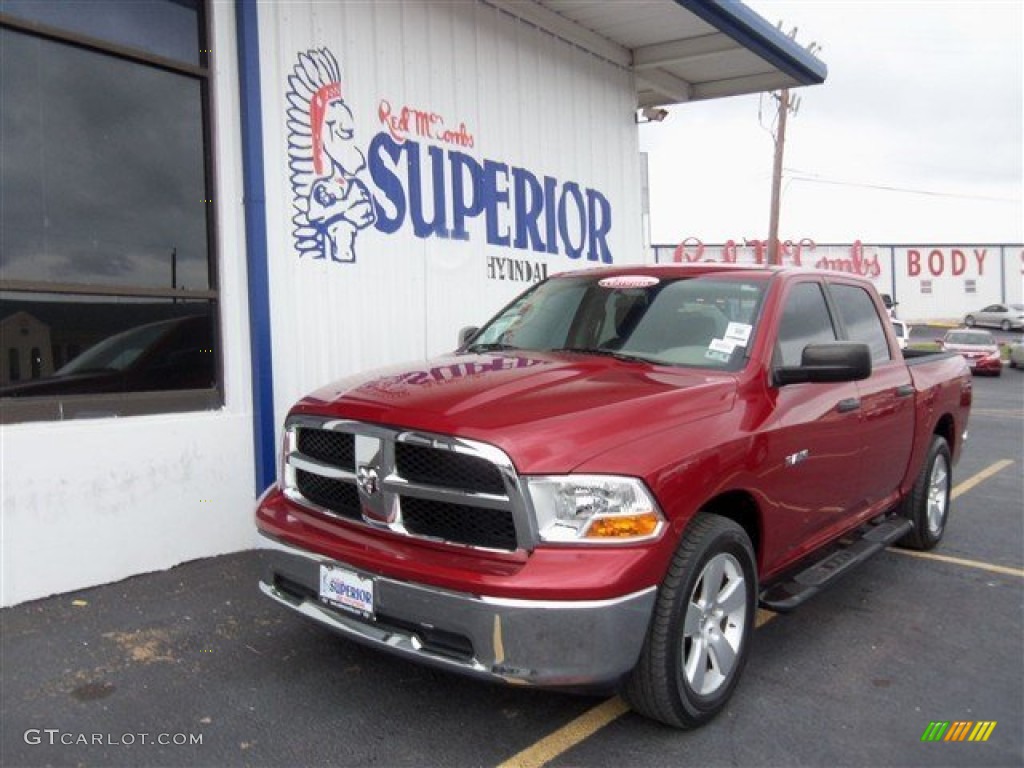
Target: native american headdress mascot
{"points": [[331, 203]]}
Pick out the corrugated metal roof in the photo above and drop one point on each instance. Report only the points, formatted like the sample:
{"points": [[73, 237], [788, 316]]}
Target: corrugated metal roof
{"points": [[679, 50]]}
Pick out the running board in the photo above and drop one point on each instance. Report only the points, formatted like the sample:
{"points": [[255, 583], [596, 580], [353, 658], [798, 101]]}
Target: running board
{"points": [[857, 547]]}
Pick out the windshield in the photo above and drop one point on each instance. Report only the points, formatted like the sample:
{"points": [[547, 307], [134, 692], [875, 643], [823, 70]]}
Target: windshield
{"points": [[115, 353], [973, 338], [698, 322]]}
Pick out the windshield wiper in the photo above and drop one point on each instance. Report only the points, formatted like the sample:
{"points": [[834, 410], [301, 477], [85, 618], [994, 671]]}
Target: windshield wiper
{"points": [[493, 346], [605, 353]]}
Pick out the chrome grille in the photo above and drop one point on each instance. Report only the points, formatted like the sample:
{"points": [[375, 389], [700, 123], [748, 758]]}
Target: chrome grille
{"points": [[492, 528], [338, 496], [335, 448], [421, 464], [413, 484]]}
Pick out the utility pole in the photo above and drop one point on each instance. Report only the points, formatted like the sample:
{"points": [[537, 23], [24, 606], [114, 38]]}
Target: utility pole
{"points": [[780, 143], [779, 137]]}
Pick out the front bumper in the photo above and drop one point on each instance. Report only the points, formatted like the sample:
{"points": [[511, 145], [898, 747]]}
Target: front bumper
{"points": [[563, 644]]}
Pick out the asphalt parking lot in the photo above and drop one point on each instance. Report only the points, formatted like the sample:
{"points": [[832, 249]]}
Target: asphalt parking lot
{"points": [[136, 673]]}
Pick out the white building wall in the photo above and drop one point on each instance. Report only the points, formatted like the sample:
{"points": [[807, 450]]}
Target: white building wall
{"points": [[527, 99], [948, 281], [930, 282], [91, 501]]}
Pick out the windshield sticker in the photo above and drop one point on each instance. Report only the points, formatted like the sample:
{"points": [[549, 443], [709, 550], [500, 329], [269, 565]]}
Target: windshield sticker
{"points": [[739, 333], [629, 281], [721, 350]]}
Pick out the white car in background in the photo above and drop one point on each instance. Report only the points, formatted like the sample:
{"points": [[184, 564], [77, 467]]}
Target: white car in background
{"points": [[902, 332], [1004, 316]]}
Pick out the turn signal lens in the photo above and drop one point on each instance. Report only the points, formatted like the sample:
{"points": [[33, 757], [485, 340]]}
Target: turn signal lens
{"points": [[626, 527]]}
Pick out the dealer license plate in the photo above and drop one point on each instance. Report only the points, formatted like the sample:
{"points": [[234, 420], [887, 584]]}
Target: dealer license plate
{"points": [[346, 590]]}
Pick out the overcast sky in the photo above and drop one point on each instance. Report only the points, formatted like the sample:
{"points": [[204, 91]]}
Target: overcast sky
{"points": [[915, 136]]}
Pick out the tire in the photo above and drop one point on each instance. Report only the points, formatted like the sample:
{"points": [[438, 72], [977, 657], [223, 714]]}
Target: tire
{"points": [[969, 321], [699, 637], [927, 507]]}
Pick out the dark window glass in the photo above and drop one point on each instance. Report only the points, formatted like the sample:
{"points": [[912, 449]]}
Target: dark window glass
{"points": [[805, 320], [127, 345], [103, 177], [861, 319], [13, 364], [167, 29], [106, 294]]}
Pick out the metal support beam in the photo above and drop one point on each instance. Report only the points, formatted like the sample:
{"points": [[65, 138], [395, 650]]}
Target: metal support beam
{"points": [[681, 51], [673, 88]]}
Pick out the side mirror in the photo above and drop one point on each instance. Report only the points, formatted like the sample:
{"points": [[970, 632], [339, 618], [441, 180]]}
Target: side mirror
{"points": [[835, 361], [467, 333]]}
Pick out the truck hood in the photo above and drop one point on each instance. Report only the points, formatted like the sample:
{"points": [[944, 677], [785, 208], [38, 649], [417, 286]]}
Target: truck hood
{"points": [[549, 412]]}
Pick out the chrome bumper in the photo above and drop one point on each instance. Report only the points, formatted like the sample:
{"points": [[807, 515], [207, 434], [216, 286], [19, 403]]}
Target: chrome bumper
{"points": [[563, 644]]}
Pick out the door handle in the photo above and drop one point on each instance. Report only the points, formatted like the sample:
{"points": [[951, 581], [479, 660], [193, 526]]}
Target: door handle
{"points": [[848, 405], [905, 390]]}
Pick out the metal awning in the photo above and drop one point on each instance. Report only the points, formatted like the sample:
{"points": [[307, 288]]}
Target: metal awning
{"points": [[679, 50]]}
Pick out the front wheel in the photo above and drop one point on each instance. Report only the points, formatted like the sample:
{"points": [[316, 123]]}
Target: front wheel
{"points": [[1005, 325], [969, 321], [927, 506], [699, 637]]}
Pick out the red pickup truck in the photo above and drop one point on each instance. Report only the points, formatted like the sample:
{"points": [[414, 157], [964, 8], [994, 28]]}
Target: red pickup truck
{"points": [[600, 486]]}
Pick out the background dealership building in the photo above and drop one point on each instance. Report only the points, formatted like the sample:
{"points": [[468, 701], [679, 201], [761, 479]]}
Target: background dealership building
{"points": [[214, 207]]}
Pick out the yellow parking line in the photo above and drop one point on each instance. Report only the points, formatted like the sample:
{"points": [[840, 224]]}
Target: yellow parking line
{"points": [[1005, 570], [587, 724], [982, 476], [551, 746]]}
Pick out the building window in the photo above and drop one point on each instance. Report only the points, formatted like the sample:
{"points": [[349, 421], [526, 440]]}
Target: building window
{"points": [[108, 263], [926, 286], [970, 286]]}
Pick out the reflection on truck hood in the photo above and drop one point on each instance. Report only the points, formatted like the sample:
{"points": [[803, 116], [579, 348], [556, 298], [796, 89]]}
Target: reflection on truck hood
{"points": [[538, 407]]}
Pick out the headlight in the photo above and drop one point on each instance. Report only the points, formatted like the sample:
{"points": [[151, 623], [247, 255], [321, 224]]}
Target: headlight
{"points": [[593, 509]]}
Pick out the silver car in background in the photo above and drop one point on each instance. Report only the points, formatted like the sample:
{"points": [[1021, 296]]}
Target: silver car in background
{"points": [[1004, 316]]}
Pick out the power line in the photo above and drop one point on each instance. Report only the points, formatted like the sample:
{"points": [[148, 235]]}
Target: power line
{"points": [[816, 179]]}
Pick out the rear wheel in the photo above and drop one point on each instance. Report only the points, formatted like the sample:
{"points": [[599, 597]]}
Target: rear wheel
{"points": [[927, 507], [698, 641]]}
